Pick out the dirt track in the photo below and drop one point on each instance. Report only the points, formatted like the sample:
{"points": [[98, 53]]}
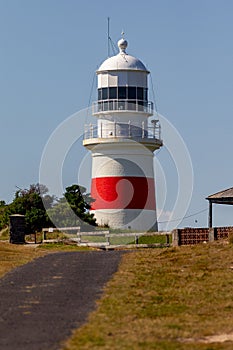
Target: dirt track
{"points": [[41, 302]]}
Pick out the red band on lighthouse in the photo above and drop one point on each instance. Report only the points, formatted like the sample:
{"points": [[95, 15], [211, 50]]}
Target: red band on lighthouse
{"points": [[123, 192]]}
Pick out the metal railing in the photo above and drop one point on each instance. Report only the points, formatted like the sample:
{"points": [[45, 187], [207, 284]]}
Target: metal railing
{"points": [[122, 105], [123, 130]]}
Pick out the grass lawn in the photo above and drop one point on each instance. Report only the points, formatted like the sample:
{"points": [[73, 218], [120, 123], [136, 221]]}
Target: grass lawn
{"points": [[165, 299]]}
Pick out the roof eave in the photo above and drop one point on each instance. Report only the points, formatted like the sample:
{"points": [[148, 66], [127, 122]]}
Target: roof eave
{"points": [[122, 69]]}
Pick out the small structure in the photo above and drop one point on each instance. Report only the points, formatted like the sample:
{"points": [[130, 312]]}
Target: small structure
{"points": [[222, 197], [17, 229]]}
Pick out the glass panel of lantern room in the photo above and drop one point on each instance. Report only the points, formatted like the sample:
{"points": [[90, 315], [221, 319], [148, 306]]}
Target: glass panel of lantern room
{"points": [[112, 79], [145, 94], [139, 93], [104, 93], [121, 92], [137, 79], [102, 80], [99, 94], [112, 93], [122, 78], [132, 92]]}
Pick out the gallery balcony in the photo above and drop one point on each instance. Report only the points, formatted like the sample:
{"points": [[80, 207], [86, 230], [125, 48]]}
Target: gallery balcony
{"points": [[109, 132], [111, 106]]}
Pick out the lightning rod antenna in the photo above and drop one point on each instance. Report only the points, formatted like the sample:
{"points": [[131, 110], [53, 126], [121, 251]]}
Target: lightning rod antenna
{"points": [[108, 37]]}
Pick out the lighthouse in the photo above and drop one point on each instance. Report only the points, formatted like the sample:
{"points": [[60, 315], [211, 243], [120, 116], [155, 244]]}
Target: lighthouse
{"points": [[122, 144]]}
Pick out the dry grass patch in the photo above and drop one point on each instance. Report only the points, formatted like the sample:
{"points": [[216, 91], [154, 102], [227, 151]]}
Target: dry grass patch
{"points": [[15, 255], [165, 299]]}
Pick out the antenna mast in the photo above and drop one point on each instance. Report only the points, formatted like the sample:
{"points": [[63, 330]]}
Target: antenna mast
{"points": [[108, 37]]}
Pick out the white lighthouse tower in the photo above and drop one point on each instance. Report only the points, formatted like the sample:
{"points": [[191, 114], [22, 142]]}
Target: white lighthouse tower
{"points": [[122, 145]]}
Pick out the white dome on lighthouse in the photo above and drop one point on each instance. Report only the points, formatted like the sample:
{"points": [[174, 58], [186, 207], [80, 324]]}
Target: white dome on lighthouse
{"points": [[122, 61]]}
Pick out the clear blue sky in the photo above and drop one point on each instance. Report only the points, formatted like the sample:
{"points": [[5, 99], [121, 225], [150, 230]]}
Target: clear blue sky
{"points": [[50, 49]]}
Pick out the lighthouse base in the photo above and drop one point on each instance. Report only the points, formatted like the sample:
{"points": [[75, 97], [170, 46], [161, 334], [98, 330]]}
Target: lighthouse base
{"points": [[131, 219]]}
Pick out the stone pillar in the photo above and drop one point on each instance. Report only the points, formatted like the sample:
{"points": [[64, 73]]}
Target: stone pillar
{"points": [[212, 234], [17, 229], [175, 238]]}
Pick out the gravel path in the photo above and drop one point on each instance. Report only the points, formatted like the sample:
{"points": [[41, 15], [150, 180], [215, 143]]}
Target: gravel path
{"points": [[42, 301]]}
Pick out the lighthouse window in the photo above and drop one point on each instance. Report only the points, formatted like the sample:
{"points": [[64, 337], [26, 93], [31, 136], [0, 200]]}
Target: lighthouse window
{"points": [[132, 92], [112, 93], [139, 93], [122, 92], [104, 93]]}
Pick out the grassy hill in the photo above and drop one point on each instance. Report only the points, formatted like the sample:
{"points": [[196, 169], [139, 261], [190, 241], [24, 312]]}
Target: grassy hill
{"points": [[173, 298], [177, 298]]}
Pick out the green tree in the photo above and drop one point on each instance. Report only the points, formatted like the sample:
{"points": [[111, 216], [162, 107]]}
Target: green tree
{"points": [[3, 215], [80, 203], [62, 216], [75, 198], [32, 203]]}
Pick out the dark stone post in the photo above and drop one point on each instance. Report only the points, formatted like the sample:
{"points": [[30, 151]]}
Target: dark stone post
{"points": [[17, 229]]}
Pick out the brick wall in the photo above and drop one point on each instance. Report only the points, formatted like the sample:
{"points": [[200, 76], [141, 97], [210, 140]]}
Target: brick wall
{"points": [[189, 235], [223, 232]]}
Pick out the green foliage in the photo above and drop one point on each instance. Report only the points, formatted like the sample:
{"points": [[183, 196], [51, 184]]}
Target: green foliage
{"points": [[60, 246], [153, 239], [35, 202], [62, 216], [3, 215], [79, 201], [32, 203]]}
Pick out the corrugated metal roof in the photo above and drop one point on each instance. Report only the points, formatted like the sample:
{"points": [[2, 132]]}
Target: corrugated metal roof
{"points": [[222, 197], [228, 193]]}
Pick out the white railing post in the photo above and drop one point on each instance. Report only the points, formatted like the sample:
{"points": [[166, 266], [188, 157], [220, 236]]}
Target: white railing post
{"points": [[143, 130], [91, 130], [85, 132], [129, 131]]}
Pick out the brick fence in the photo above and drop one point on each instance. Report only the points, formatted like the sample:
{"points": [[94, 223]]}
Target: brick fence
{"points": [[189, 235]]}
